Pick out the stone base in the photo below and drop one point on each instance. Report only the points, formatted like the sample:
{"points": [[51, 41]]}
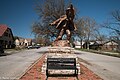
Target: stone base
{"points": [[61, 49], [44, 66], [61, 43], [60, 52]]}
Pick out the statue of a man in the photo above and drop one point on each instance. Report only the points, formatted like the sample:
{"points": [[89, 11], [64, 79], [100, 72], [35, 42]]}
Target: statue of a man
{"points": [[65, 23]]}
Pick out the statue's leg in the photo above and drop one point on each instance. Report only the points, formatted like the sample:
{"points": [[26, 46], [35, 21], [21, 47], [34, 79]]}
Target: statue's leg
{"points": [[68, 34], [60, 35]]}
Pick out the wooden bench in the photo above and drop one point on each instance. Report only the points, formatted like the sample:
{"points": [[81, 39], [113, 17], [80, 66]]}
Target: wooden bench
{"points": [[61, 64]]}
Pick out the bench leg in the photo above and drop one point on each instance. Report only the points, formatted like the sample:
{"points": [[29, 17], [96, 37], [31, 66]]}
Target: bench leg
{"points": [[46, 74], [46, 78], [76, 73], [77, 77]]}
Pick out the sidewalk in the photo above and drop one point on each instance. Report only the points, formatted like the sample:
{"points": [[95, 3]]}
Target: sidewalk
{"points": [[34, 73]]}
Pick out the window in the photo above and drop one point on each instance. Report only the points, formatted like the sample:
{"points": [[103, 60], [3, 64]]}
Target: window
{"points": [[9, 35], [6, 34]]}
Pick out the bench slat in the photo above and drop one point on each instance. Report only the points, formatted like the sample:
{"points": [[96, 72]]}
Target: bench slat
{"points": [[61, 60], [62, 67]]}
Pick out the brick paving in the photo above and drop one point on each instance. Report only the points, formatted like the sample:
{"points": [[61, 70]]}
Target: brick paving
{"points": [[34, 73]]}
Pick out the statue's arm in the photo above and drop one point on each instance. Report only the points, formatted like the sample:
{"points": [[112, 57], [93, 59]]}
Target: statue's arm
{"points": [[63, 17], [75, 28], [55, 22]]}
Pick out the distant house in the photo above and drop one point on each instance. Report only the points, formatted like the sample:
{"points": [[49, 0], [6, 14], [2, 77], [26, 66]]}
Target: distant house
{"points": [[27, 42], [99, 45], [79, 44], [17, 42], [6, 36], [22, 42], [93, 44], [86, 45], [96, 45], [111, 46]]}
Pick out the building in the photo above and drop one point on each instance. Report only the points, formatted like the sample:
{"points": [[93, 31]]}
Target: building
{"points": [[96, 45], [23, 42], [27, 42], [111, 46], [79, 44], [6, 36]]}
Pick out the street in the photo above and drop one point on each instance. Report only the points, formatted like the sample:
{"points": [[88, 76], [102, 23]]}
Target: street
{"points": [[106, 67], [13, 66]]}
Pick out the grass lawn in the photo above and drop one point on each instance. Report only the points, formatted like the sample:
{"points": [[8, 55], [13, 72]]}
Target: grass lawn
{"points": [[110, 53]]}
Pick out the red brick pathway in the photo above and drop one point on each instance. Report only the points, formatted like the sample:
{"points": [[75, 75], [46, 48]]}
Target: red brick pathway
{"points": [[34, 73]]}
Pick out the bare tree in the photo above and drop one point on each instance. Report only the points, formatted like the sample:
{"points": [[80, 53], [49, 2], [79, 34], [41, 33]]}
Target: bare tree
{"points": [[89, 29], [86, 28], [114, 24], [48, 11], [80, 33], [116, 28], [100, 37], [42, 41]]}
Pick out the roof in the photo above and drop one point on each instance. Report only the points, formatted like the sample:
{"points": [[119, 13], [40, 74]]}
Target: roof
{"points": [[79, 43], [29, 40], [111, 43], [23, 39], [100, 42], [3, 28]]}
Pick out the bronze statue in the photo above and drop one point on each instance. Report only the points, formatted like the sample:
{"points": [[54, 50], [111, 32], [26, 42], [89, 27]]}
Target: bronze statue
{"points": [[65, 23]]}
